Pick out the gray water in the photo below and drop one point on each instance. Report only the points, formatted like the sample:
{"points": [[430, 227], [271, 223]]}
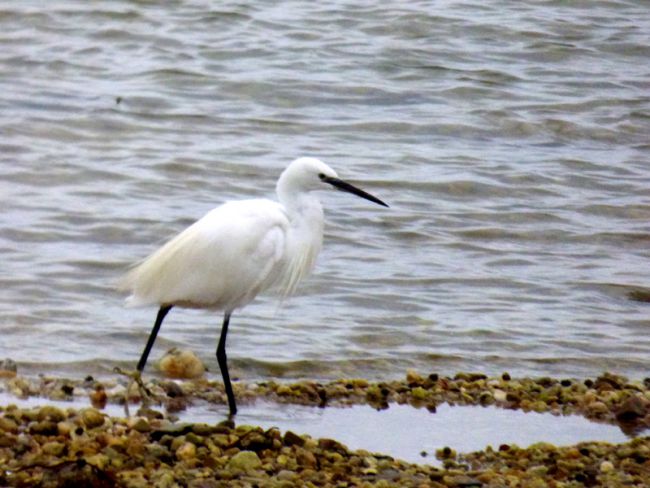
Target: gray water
{"points": [[509, 138]]}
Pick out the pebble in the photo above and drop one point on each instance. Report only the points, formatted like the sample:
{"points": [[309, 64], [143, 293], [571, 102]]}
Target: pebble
{"points": [[92, 418], [182, 364], [244, 461], [606, 467], [186, 451]]}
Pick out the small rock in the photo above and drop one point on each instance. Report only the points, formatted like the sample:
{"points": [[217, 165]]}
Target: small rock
{"points": [[99, 460], [244, 461], [181, 364], [49, 412], [597, 408], [8, 425], [500, 395], [53, 448], [65, 428], [606, 467], [306, 458], [412, 377], [470, 377], [44, 427], [92, 418], [157, 451], [187, 451], [462, 481], [142, 425], [98, 398], [291, 439], [419, 393], [332, 445], [446, 453], [202, 429], [632, 409], [286, 475], [173, 389], [283, 390], [609, 381]]}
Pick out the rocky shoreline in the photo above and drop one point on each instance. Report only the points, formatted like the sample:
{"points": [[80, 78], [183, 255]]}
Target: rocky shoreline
{"points": [[52, 446]]}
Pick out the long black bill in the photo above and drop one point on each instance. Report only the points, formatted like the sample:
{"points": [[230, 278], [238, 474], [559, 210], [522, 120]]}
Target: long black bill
{"points": [[347, 187]]}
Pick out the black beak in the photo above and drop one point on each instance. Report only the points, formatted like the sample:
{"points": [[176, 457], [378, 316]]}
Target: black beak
{"points": [[347, 187]]}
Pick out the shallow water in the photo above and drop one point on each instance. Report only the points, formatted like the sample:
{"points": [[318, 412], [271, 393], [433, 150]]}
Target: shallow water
{"points": [[400, 431], [414, 435], [511, 141]]}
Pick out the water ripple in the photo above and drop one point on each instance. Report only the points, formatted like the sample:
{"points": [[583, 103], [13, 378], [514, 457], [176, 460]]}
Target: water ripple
{"points": [[510, 141]]}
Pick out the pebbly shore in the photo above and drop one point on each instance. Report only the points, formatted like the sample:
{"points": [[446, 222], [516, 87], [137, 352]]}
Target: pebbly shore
{"points": [[51, 446]]}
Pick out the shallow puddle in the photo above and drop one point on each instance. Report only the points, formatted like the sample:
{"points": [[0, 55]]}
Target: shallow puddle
{"points": [[407, 433], [400, 431]]}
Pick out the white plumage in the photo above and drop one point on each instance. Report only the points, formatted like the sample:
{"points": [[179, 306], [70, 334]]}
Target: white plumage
{"points": [[237, 250], [221, 262]]}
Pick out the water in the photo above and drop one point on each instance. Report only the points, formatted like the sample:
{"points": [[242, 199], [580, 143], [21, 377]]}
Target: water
{"points": [[510, 139]]}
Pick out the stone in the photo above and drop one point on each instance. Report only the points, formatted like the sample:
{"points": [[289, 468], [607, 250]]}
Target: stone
{"points": [[181, 364], [49, 412], [291, 439], [186, 451], [244, 461], [306, 458], [606, 467], [632, 409], [92, 418]]}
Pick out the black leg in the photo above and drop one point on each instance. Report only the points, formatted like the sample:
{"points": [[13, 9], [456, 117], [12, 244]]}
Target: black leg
{"points": [[152, 337], [223, 364]]}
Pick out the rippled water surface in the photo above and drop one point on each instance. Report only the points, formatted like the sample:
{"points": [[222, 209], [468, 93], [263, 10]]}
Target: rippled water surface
{"points": [[510, 139]]}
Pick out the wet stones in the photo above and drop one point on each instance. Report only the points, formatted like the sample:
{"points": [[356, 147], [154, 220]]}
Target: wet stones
{"points": [[122, 452], [39, 446], [608, 398]]}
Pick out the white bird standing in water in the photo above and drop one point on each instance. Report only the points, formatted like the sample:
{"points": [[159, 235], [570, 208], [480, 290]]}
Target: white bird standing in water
{"points": [[237, 250]]}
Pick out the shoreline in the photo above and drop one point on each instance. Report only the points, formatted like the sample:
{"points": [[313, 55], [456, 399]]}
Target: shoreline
{"points": [[43, 445]]}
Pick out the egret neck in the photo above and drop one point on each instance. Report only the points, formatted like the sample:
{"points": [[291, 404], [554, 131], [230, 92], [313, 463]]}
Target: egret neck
{"points": [[305, 214]]}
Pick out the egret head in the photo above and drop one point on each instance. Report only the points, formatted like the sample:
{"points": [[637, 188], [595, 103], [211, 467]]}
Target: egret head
{"points": [[307, 174]]}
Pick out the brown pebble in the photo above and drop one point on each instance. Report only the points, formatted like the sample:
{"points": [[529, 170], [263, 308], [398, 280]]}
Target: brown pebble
{"points": [[44, 427], [306, 458], [186, 451], [291, 439], [52, 413], [98, 398], [92, 418], [183, 364], [141, 424], [632, 409]]}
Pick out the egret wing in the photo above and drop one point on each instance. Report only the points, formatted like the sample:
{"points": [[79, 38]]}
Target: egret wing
{"points": [[221, 261]]}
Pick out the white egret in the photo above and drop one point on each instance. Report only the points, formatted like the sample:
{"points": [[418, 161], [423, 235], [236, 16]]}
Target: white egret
{"points": [[236, 251]]}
